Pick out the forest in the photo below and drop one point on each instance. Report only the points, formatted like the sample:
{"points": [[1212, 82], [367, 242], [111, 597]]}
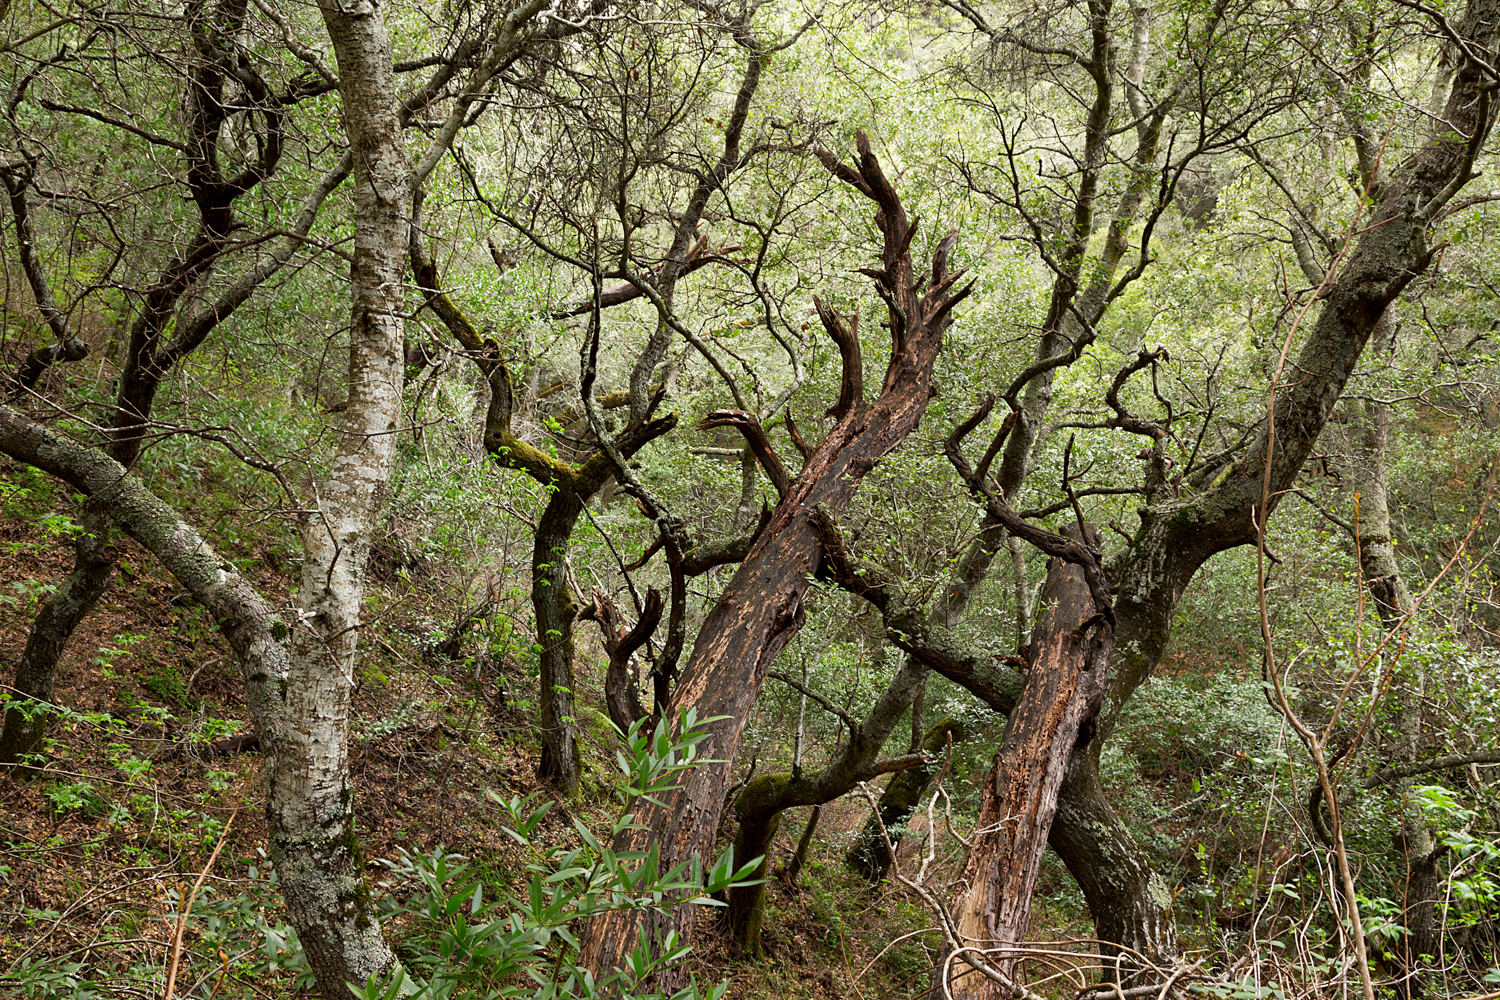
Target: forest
{"points": [[959, 499]]}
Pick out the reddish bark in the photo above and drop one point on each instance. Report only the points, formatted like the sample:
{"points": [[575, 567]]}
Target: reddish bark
{"points": [[1069, 656], [761, 609]]}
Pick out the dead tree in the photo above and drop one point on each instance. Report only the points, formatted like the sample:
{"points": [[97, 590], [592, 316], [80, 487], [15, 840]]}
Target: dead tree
{"points": [[1068, 658], [573, 484], [761, 609]]}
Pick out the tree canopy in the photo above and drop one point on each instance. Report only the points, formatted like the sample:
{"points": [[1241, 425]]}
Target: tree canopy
{"points": [[688, 499]]}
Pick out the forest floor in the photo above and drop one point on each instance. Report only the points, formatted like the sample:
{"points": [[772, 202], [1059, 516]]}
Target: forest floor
{"points": [[132, 801]]}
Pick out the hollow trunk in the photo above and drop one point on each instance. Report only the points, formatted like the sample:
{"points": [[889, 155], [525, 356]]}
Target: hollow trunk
{"points": [[26, 719], [1069, 654], [556, 610], [869, 854]]}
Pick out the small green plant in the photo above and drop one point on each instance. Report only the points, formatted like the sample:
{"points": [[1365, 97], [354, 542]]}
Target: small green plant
{"points": [[1474, 881], [79, 797], [526, 944], [111, 654], [168, 684], [25, 594]]}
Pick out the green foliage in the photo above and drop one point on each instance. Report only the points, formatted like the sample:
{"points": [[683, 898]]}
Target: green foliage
{"points": [[1473, 886], [472, 944], [168, 684]]}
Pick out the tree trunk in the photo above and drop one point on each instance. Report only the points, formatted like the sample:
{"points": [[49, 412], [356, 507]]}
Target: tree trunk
{"points": [[759, 807], [757, 614], [252, 628], [1069, 653], [799, 858], [1370, 432], [146, 361], [310, 798], [570, 486], [556, 610], [26, 724], [1130, 903], [761, 609], [622, 695], [869, 854], [1178, 534], [747, 907]]}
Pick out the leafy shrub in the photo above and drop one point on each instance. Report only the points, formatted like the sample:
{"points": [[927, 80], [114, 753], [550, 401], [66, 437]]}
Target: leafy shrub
{"points": [[525, 944]]}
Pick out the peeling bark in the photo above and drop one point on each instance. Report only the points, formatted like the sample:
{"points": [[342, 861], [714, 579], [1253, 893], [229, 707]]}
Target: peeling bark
{"points": [[1129, 901], [761, 609], [1069, 652]]}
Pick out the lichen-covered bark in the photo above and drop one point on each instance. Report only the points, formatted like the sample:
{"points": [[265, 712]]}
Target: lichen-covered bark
{"points": [[148, 360], [310, 798], [252, 628], [1177, 535], [747, 904], [556, 610], [1129, 901]]}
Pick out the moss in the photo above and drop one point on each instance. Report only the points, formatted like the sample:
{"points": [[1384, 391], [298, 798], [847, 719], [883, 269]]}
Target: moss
{"points": [[760, 795], [747, 904], [167, 683]]}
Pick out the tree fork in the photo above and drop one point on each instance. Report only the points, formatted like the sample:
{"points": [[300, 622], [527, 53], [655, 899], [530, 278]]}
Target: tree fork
{"points": [[761, 609]]}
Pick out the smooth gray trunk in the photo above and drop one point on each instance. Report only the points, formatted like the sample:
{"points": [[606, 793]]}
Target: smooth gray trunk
{"points": [[309, 806]]}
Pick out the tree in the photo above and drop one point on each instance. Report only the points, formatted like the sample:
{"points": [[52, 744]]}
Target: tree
{"points": [[299, 674], [1214, 502], [221, 89], [633, 70], [761, 608]]}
